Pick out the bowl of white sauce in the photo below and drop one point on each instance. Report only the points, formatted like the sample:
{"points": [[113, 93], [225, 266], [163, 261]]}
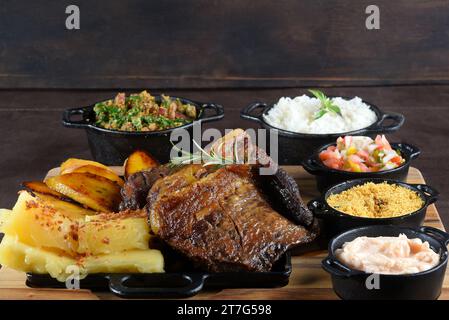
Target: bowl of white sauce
{"points": [[388, 262]]}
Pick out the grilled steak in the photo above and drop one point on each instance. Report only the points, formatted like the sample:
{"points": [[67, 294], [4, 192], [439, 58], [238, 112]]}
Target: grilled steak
{"points": [[221, 220], [280, 190], [224, 219], [283, 195], [137, 186]]}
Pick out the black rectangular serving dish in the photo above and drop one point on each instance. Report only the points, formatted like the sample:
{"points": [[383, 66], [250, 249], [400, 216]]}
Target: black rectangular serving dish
{"points": [[173, 284]]}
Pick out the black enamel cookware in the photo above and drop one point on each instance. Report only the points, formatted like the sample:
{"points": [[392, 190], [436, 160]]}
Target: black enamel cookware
{"points": [[112, 147], [294, 148], [353, 284], [335, 222], [327, 177]]}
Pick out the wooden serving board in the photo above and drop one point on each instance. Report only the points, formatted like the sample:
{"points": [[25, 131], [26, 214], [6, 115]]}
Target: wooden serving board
{"points": [[307, 281]]}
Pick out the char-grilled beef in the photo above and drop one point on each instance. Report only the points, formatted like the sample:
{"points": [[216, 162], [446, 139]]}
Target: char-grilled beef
{"points": [[227, 218], [134, 192], [221, 220], [282, 193]]}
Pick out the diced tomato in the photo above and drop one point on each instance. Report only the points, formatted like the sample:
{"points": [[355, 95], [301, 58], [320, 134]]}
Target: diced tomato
{"points": [[371, 157], [381, 141], [396, 160], [363, 154], [328, 154], [386, 143], [378, 141], [181, 115], [355, 159], [332, 163], [324, 155]]}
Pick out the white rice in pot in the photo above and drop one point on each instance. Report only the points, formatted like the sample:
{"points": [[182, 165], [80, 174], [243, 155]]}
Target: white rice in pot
{"points": [[298, 114]]}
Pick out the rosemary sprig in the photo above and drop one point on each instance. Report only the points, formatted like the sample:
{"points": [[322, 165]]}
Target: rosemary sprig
{"points": [[204, 157], [326, 105]]}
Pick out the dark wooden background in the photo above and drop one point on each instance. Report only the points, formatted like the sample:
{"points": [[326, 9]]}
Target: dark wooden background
{"points": [[217, 44], [230, 52]]}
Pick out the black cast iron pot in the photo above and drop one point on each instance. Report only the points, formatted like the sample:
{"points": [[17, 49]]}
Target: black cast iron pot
{"points": [[294, 148], [112, 147], [335, 222], [327, 177], [353, 284]]}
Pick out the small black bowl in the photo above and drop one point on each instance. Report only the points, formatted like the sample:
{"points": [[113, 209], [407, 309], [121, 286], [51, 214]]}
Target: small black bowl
{"points": [[353, 284], [326, 177], [335, 222], [294, 148], [112, 147]]}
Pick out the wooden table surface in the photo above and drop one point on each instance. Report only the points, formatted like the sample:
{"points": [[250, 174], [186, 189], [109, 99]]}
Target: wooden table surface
{"points": [[307, 281]]}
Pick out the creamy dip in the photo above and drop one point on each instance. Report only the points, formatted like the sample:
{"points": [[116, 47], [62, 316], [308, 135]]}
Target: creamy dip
{"points": [[388, 255]]}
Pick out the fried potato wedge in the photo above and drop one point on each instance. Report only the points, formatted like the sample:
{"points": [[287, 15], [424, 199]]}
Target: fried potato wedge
{"points": [[108, 174], [139, 160], [41, 188], [69, 209], [91, 190], [73, 163]]}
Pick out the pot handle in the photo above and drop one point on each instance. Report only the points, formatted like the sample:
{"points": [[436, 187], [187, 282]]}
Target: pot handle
{"points": [[318, 208], [335, 267], [67, 118], [246, 112], [436, 233], [311, 166], [218, 109], [411, 149], [397, 118], [195, 282], [431, 194]]}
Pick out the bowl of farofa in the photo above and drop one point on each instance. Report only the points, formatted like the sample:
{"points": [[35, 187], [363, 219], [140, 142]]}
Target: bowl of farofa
{"points": [[364, 202]]}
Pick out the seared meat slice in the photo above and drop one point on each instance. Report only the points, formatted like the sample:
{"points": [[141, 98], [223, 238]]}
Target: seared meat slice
{"points": [[136, 187], [135, 190], [283, 195], [220, 220], [280, 190], [184, 176]]}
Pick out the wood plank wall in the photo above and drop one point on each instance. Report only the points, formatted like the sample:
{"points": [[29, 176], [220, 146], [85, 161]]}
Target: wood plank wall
{"points": [[222, 44]]}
